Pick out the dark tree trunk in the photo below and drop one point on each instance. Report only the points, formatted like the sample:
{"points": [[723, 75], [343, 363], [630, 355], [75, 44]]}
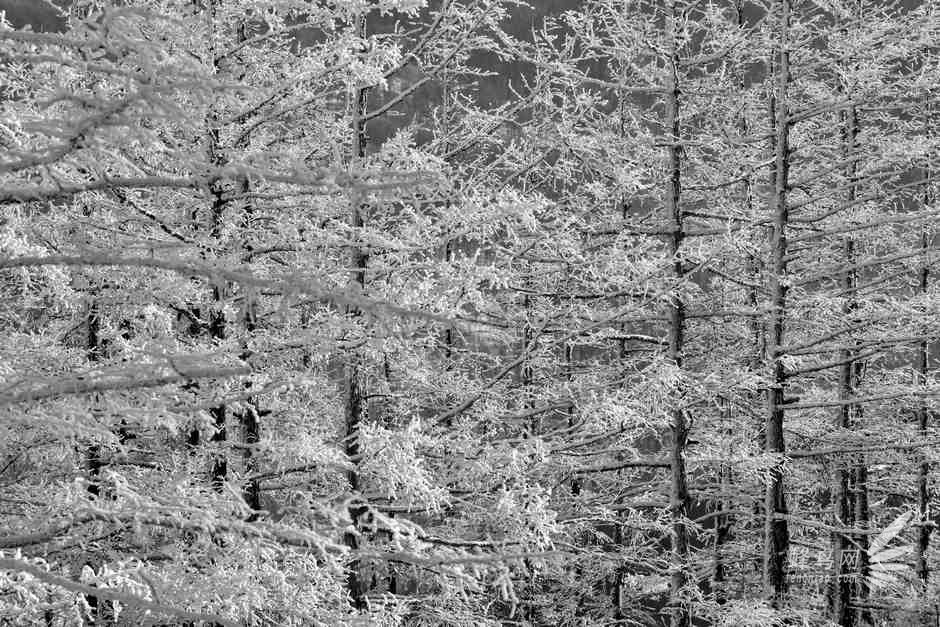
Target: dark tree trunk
{"points": [[354, 401], [679, 493], [99, 609], [776, 533], [924, 414], [93, 350], [216, 324], [724, 519], [862, 520], [846, 566], [250, 417], [355, 581]]}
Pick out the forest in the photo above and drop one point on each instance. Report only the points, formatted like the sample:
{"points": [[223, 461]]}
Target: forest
{"points": [[469, 313]]}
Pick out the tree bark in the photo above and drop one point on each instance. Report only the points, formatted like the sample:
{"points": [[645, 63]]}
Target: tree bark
{"points": [[679, 495], [216, 327], [725, 520], [250, 417], [776, 534], [924, 414], [862, 521], [354, 396], [100, 610], [843, 547]]}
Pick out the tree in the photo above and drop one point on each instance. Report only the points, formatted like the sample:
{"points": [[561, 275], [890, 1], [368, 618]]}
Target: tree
{"points": [[301, 326], [147, 130]]}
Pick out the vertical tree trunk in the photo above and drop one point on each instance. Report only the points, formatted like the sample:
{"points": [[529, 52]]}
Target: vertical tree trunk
{"points": [[353, 411], [93, 352], [526, 379], [776, 533], [842, 550], [354, 396], [217, 330], [845, 557], [354, 402], [216, 320], [724, 523], [679, 496], [922, 567], [616, 582], [250, 417], [99, 609], [851, 375], [862, 521], [449, 331], [924, 415]]}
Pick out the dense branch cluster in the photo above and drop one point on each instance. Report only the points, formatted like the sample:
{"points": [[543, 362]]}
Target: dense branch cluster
{"points": [[300, 326]]}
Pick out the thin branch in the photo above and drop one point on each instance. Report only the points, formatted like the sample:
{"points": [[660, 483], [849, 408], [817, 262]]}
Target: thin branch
{"points": [[634, 463], [85, 386], [846, 450]]}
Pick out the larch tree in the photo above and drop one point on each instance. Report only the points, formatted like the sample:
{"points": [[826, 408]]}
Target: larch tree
{"points": [[300, 327], [183, 136]]}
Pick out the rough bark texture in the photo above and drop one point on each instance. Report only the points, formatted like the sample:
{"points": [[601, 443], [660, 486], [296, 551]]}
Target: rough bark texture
{"points": [[355, 403], [724, 521], [216, 324], [921, 566], [776, 534], [250, 418], [924, 415], [679, 496], [845, 556], [725, 504], [861, 590], [98, 609]]}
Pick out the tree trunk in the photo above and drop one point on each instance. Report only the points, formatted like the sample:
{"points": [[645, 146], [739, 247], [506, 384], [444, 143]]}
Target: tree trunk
{"points": [[250, 417], [99, 609], [217, 330], [616, 583], [862, 521], [844, 551], [216, 320], [354, 396], [922, 567], [924, 415], [679, 494], [776, 534], [724, 521]]}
